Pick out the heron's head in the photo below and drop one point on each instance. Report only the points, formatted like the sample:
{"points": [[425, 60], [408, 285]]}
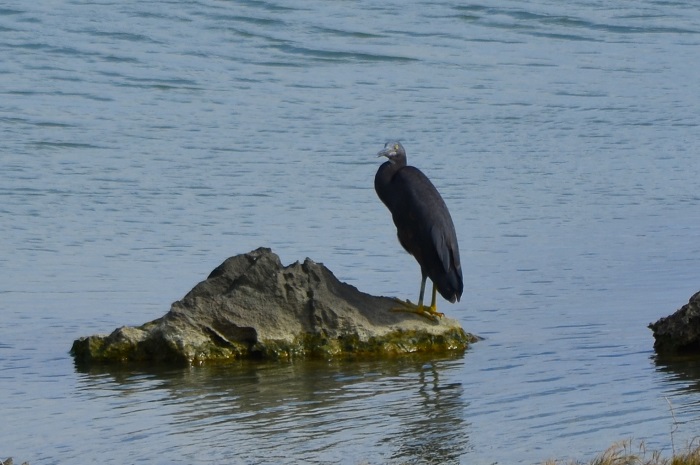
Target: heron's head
{"points": [[394, 151]]}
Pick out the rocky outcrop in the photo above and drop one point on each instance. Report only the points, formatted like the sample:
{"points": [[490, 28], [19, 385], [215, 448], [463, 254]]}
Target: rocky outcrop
{"points": [[9, 461], [253, 307], [679, 333]]}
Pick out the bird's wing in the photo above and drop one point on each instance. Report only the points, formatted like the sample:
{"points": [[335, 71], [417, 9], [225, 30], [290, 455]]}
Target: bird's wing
{"points": [[428, 212], [442, 247]]}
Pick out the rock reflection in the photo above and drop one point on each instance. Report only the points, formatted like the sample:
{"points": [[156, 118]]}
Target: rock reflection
{"points": [[683, 371], [407, 410], [682, 375]]}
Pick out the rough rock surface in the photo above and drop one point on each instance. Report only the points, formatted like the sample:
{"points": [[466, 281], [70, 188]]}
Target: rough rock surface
{"points": [[679, 333], [253, 307], [9, 461]]}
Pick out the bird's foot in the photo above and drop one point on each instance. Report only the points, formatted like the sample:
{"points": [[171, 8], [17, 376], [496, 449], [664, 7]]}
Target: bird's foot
{"points": [[430, 312]]}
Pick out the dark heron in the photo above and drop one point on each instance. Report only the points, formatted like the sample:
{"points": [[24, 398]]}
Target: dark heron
{"points": [[424, 227]]}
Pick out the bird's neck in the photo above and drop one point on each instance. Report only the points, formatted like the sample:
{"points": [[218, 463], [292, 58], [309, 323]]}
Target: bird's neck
{"points": [[383, 178]]}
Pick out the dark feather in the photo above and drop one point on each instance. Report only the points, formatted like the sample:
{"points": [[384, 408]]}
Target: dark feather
{"points": [[423, 223]]}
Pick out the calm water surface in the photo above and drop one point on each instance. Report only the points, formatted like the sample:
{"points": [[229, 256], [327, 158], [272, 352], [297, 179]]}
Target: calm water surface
{"points": [[142, 143]]}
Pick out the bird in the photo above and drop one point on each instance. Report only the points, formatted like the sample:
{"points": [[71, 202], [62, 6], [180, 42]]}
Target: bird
{"points": [[424, 228]]}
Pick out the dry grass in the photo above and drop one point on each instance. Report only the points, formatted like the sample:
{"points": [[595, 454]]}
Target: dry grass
{"points": [[626, 453]]}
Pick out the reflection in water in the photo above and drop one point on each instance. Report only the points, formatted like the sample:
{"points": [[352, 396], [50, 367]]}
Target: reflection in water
{"points": [[434, 430], [408, 410], [684, 371], [683, 376]]}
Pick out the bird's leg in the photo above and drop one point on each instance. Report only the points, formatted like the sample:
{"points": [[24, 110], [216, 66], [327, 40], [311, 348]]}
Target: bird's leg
{"points": [[433, 304], [423, 279], [430, 313]]}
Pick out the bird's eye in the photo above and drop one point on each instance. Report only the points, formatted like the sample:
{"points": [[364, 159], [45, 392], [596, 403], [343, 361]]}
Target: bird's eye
{"points": [[396, 146]]}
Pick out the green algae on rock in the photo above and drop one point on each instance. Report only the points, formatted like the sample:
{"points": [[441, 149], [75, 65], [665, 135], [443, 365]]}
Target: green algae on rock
{"points": [[253, 307]]}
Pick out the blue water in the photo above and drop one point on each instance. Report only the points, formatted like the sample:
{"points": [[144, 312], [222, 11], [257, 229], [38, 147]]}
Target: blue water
{"points": [[142, 143]]}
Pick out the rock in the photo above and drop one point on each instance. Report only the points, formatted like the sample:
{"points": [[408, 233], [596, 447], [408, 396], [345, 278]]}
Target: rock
{"points": [[679, 333], [9, 461], [253, 307]]}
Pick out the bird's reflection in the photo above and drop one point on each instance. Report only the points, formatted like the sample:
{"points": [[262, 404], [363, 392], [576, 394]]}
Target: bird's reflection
{"points": [[434, 429]]}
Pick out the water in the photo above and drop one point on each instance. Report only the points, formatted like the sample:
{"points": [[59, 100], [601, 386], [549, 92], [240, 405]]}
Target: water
{"points": [[142, 143]]}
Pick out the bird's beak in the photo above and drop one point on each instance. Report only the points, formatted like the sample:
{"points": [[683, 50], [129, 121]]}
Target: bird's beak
{"points": [[387, 152]]}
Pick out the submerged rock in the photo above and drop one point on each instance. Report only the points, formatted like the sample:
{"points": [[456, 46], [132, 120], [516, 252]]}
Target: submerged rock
{"points": [[679, 333], [253, 307]]}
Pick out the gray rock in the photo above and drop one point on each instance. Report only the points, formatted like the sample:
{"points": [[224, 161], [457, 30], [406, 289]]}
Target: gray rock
{"points": [[679, 333], [253, 307], [9, 461]]}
